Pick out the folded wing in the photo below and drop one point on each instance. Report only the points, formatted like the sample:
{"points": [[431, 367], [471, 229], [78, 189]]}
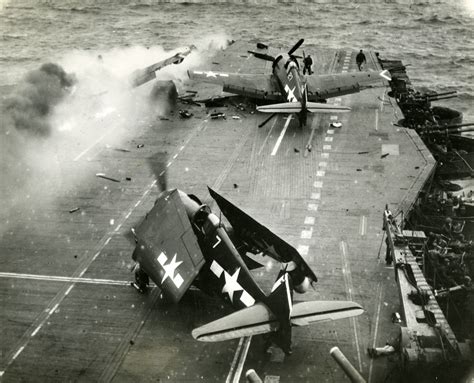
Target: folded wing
{"points": [[167, 249], [258, 238]]}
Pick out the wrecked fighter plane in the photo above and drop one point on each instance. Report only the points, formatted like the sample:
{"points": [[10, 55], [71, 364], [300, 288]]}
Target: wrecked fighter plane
{"points": [[182, 243]]}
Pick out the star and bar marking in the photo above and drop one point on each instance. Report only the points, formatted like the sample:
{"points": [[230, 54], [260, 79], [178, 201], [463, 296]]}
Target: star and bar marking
{"points": [[231, 284], [170, 269]]}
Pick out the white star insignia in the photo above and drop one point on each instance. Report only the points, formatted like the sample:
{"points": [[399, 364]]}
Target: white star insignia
{"points": [[170, 269], [231, 284]]}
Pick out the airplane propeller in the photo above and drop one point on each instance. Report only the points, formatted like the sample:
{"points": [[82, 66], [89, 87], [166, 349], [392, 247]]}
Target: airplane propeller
{"points": [[295, 47]]}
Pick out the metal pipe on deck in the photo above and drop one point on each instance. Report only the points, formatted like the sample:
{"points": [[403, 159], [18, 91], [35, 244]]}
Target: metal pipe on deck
{"points": [[347, 367]]}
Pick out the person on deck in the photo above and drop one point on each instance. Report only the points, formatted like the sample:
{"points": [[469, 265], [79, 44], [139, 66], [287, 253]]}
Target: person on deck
{"points": [[360, 59]]}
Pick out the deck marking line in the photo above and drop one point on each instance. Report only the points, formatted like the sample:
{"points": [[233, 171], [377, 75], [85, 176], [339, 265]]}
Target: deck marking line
{"points": [[309, 220], [18, 352], [327, 147], [324, 155], [376, 119], [54, 278], [328, 139], [379, 305], [108, 240], [282, 134], [350, 288], [363, 225], [318, 184], [239, 358], [268, 136], [92, 145], [36, 330]]}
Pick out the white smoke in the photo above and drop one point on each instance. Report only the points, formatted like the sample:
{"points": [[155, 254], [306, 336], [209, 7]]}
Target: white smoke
{"points": [[100, 111]]}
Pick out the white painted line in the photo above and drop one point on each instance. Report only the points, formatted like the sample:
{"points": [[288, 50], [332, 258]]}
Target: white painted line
{"points": [[330, 131], [176, 155], [282, 134], [239, 360], [323, 164], [54, 308], [307, 234], [18, 352], [118, 227], [363, 225], [181, 148], [333, 118], [318, 184], [128, 215], [374, 342], [95, 256], [328, 139], [1, 373], [137, 203], [168, 164], [315, 195], [344, 71], [350, 287], [54, 278], [345, 68], [376, 119], [326, 147], [324, 155], [312, 207], [309, 220], [36, 330], [320, 173], [268, 136], [303, 249], [338, 99], [91, 146], [108, 240]]}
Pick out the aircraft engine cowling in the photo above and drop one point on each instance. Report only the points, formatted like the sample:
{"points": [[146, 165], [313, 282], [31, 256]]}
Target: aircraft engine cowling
{"points": [[301, 283]]}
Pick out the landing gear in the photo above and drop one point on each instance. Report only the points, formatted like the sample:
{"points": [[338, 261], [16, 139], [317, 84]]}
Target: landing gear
{"points": [[141, 280]]}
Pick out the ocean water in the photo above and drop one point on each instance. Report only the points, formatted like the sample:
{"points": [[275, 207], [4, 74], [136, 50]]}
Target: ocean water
{"points": [[434, 38]]}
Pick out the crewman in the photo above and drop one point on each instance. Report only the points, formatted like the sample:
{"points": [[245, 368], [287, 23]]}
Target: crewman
{"points": [[360, 59], [308, 65]]}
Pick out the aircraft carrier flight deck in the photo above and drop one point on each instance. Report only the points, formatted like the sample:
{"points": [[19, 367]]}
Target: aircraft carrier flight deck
{"points": [[69, 312]]}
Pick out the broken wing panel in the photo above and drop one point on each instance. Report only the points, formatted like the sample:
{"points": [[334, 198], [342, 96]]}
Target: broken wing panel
{"points": [[256, 86], [167, 249], [339, 84], [258, 238]]}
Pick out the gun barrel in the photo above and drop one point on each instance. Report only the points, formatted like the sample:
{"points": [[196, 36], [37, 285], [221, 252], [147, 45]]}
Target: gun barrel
{"points": [[441, 93], [350, 371], [442, 98]]}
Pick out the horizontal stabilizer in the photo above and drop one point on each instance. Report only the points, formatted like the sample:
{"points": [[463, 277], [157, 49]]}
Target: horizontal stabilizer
{"points": [[254, 320], [295, 107], [305, 313], [316, 107], [258, 319]]}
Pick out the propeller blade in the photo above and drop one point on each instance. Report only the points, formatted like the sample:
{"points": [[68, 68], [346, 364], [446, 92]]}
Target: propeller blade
{"points": [[262, 56], [295, 47]]}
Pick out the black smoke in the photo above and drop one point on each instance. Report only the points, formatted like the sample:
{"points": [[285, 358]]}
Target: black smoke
{"points": [[27, 109], [25, 130]]}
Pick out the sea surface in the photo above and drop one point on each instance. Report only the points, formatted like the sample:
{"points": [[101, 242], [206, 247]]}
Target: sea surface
{"points": [[434, 38]]}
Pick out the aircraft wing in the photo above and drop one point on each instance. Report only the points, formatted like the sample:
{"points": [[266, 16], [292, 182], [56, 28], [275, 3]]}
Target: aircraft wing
{"points": [[256, 86], [339, 84], [167, 249], [258, 319], [258, 238], [142, 76]]}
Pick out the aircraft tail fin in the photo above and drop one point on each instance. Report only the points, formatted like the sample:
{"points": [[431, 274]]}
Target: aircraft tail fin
{"points": [[296, 107]]}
